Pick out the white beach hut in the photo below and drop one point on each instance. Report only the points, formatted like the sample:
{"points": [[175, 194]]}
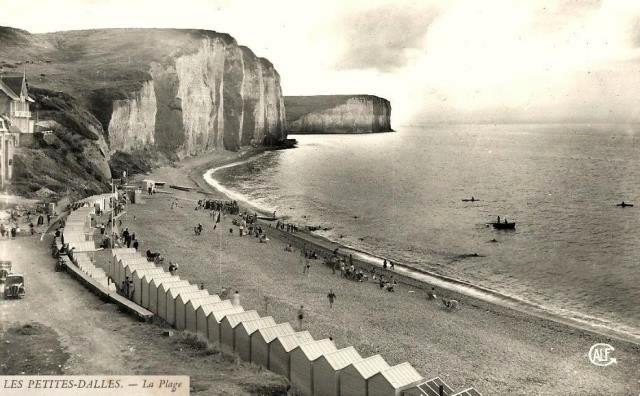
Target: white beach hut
{"points": [[228, 326], [175, 311], [394, 380], [136, 264], [302, 359], [168, 303], [202, 313], [125, 261], [429, 388], [281, 347], [244, 333], [158, 292], [327, 370], [354, 377], [214, 333], [188, 310], [147, 279], [190, 319], [116, 255], [261, 342], [137, 277]]}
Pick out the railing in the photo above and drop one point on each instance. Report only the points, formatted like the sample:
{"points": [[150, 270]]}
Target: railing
{"points": [[21, 114]]}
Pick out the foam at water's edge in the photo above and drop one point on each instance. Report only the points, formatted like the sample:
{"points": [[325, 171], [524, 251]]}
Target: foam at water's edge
{"points": [[233, 195], [570, 318]]}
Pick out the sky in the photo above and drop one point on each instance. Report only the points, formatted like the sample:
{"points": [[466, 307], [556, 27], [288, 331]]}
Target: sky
{"points": [[436, 61]]}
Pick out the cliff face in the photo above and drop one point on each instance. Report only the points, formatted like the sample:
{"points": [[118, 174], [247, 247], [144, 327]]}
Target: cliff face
{"points": [[180, 92], [137, 95], [338, 114]]}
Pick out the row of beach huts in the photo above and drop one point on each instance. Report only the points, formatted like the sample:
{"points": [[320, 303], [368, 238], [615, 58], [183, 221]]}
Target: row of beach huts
{"points": [[313, 367]]}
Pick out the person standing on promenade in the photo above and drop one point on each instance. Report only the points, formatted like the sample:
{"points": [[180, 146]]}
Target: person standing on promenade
{"points": [[235, 299], [332, 297], [300, 316]]}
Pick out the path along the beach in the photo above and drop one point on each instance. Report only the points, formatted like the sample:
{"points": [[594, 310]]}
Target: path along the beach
{"points": [[74, 329], [497, 350]]}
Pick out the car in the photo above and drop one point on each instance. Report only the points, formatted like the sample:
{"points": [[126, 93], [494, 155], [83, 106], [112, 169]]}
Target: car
{"points": [[5, 268], [14, 286]]}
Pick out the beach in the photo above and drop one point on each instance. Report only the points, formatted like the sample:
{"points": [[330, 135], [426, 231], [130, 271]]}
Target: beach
{"points": [[495, 349]]}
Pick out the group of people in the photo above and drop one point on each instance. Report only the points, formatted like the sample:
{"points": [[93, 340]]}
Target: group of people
{"points": [[129, 239], [10, 232], [230, 207], [286, 226]]}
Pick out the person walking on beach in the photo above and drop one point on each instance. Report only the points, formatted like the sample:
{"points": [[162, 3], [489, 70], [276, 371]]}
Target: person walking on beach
{"points": [[384, 264], [391, 265], [300, 316], [332, 297], [235, 299]]}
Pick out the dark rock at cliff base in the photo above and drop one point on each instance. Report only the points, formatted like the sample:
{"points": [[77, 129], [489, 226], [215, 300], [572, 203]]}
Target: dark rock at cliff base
{"points": [[337, 114]]}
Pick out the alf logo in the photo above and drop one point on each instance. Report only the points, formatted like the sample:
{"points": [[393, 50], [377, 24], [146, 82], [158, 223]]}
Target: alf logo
{"points": [[600, 355]]}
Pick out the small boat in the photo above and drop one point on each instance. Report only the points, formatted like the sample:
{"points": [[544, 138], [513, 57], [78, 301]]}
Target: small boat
{"points": [[504, 226], [181, 188], [472, 199], [624, 204]]}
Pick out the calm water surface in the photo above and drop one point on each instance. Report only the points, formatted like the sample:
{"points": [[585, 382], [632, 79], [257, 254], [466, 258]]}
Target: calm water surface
{"points": [[399, 195]]}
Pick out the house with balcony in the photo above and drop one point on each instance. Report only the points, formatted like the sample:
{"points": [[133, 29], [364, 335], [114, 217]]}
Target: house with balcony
{"points": [[15, 120], [15, 102]]}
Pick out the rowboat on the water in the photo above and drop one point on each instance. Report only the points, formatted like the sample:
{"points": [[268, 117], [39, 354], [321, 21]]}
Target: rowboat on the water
{"points": [[472, 199], [504, 226], [624, 204]]}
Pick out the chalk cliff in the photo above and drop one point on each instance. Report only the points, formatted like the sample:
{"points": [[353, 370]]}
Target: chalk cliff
{"points": [[338, 114], [182, 92], [173, 93]]}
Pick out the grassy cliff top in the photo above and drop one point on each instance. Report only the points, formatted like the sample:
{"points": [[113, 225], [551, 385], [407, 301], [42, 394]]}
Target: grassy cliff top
{"points": [[80, 62]]}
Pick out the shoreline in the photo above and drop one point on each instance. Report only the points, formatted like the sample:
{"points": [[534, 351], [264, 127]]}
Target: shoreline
{"points": [[410, 275], [495, 349]]}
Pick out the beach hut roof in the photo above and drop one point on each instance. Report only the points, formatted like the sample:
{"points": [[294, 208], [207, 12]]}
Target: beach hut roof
{"points": [[270, 333], [237, 318], [432, 387], [371, 366], [175, 291], [251, 326], [221, 314], [400, 375], [185, 297], [150, 276], [87, 246], [155, 271], [116, 251], [468, 392], [210, 299], [168, 280], [291, 341], [209, 307], [314, 349], [342, 357]]}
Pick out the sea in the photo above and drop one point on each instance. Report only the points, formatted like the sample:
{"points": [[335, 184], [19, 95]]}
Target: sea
{"points": [[399, 195]]}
